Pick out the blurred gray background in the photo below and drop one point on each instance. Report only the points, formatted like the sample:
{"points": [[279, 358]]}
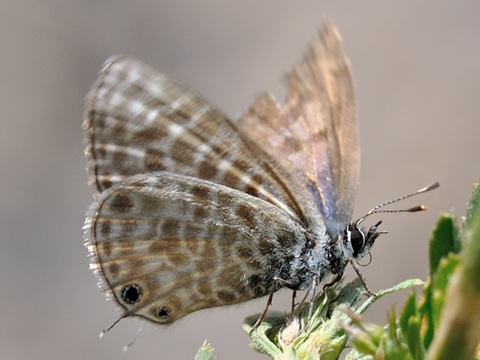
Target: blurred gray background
{"points": [[416, 68]]}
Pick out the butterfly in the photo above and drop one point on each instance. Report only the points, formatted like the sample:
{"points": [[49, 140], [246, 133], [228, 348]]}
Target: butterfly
{"points": [[194, 211]]}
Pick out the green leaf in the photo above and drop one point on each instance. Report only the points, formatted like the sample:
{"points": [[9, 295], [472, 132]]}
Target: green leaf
{"points": [[444, 242], [407, 284], [205, 352], [472, 207], [392, 346], [471, 261], [414, 339], [444, 272], [261, 340], [323, 336], [371, 340], [425, 309], [366, 337], [458, 332], [445, 239], [409, 310]]}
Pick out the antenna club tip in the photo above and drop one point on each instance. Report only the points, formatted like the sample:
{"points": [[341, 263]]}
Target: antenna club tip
{"points": [[418, 208], [435, 185]]}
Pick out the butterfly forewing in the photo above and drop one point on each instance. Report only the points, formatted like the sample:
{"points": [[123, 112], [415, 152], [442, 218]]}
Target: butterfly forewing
{"points": [[167, 245], [141, 121], [314, 132]]}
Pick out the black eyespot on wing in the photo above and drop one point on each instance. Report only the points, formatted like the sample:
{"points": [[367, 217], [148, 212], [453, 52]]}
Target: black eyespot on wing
{"points": [[162, 312], [132, 293]]}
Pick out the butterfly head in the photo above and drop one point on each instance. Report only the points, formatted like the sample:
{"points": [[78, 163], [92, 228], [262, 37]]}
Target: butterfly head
{"points": [[361, 240]]}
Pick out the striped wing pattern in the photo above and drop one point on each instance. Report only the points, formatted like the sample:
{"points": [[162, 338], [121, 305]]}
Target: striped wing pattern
{"points": [[141, 121], [187, 245]]}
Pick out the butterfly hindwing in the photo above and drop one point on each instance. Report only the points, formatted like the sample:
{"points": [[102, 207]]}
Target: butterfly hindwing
{"points": [[167, 245]]}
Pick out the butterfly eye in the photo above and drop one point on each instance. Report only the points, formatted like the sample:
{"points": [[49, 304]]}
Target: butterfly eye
{"points": [[132, 293], [357, 240], [162, 312]]}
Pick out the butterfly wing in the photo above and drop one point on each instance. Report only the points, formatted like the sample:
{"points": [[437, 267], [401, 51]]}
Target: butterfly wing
{"points": [[190, 212], [315, 130], [138, 120], [167, 245]]}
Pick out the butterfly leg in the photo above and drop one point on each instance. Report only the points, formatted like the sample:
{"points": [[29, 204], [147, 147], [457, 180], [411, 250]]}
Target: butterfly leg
{"points": [[286, 283], [269, 302], [312, 293], [334, 281], [294, 296], [262, 315], [362, 279]]}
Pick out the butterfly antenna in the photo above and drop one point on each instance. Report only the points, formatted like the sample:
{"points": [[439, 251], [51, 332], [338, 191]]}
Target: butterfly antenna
{"points": [[376, 210]]}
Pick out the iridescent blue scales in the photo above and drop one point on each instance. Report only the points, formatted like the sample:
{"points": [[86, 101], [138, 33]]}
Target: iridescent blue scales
{"points": [[194, 211]]}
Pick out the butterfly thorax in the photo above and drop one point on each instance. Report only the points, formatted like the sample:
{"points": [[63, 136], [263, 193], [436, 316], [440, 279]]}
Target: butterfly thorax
{"points": [[330, 256], [319, 256]]}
